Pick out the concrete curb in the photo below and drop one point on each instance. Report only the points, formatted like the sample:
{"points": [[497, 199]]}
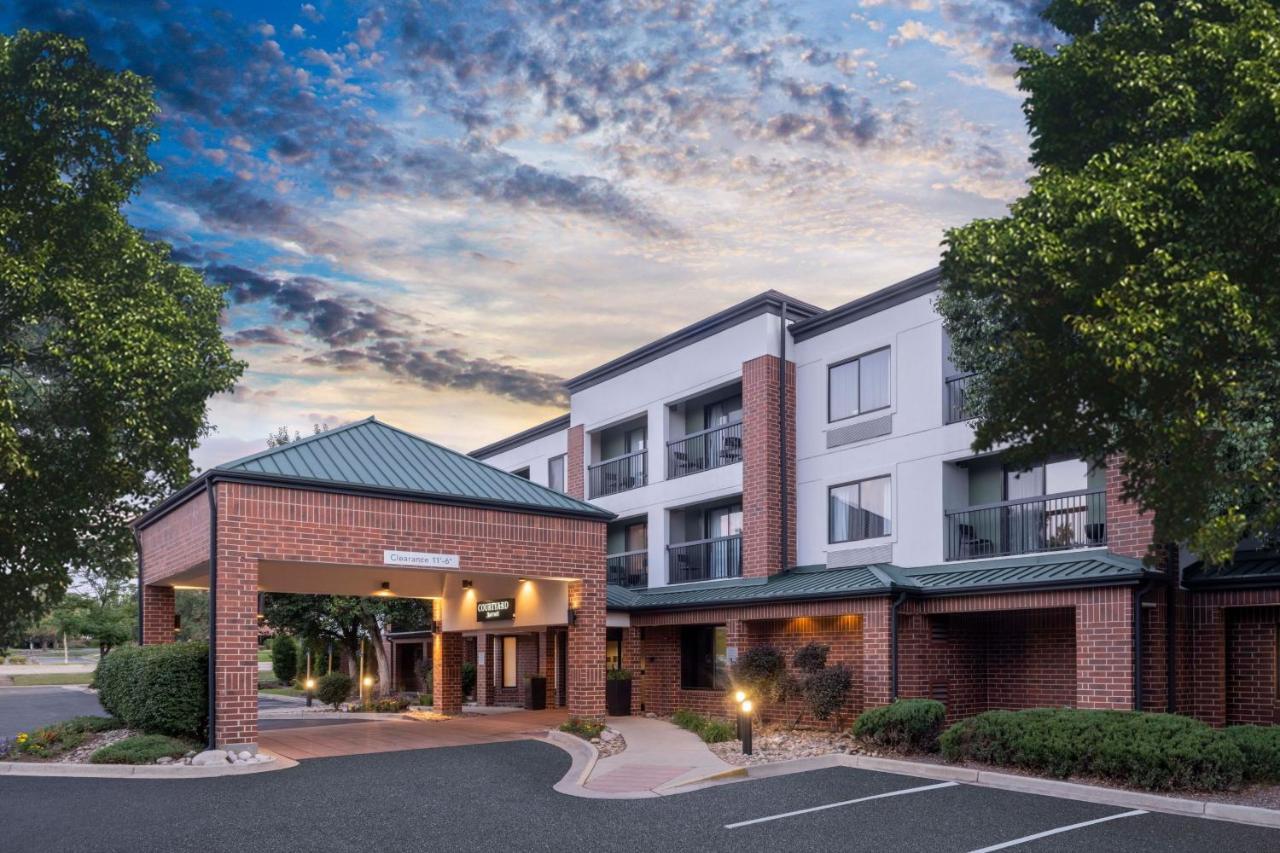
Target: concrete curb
{"points": [[141, 771], [584, 757]]}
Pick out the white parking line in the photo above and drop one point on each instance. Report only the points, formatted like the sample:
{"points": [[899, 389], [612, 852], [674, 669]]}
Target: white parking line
{"points": [[1024, 839], [897, 793]]}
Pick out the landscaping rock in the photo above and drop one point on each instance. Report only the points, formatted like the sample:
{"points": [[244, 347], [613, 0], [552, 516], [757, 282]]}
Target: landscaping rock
{"points": [[245, 755], [165, 760], [210, 758]]}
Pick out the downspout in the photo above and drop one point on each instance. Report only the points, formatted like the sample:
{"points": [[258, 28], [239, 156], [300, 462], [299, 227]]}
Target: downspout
{"points": [[1171, 634], [137, 546], [1138, 595], [782, 435], [213, 613], [893, 645]]}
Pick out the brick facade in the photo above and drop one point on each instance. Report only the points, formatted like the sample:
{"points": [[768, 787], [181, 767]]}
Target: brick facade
{"points": [[1130, 532], [1227, 674], [762, 484], [263, 522], [576, 477], [446, 672], [157, 614]]}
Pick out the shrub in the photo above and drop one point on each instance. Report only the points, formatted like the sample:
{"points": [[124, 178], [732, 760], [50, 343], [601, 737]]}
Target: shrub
{"points": [[762, 673], [825, 690], [811, 657], [584, 729], [388, 705], [284, 658], [51, 741], [161, 689], [426, 674], [468, 678], [141, 749], [334, 688], [907, 724], [1260, 747], [1152, 751], [617, 674], [711, 731]]}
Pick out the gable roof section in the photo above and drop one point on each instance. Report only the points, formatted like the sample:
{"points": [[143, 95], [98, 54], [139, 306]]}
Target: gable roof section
{"points": [[769, 302], [817, 583], [531, 434], [864, 306], [1248, 569], [370, 457]]}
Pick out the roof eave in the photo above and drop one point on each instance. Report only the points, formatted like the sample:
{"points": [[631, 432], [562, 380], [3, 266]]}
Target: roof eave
{"points": [[873, 303], [523, 437]]}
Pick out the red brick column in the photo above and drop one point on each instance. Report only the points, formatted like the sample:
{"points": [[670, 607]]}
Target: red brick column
{"points": [[876, 650], [1130, 532], [547, 646], [762, 509], [157, 614], [586, 649], [1104, 648], [236, 638], [485, 669], [633, 660], [446, 672], [575, 477]]}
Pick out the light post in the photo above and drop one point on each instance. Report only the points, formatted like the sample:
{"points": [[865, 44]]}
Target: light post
{"points": [[746, 726], [310, 683]]}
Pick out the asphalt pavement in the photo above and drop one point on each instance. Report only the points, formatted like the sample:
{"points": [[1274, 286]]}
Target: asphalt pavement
{"points": [[25, 708], [500, 797]]}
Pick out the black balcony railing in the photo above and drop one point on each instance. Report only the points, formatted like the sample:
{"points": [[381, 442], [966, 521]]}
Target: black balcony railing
{"points": [[710, 448], [705, 559], [618, 474], [1028, 525], [957, 388], [629, 569]]}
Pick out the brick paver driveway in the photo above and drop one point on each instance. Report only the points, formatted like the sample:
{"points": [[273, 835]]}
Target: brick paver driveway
{"points": [[358, 738]]}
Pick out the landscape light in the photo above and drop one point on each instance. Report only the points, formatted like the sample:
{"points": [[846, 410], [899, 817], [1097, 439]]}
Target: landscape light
{"points": [[746, 706], [368, 681], [740, 697], [311, 684]]}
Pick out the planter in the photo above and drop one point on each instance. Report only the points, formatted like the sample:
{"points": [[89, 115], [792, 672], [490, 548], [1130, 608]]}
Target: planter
{"points": [[535, 693], [617, 697]]}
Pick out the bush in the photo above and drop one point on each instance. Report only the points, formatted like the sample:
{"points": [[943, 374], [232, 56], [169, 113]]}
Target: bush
{"points": [[762, 673], [334, 688], [160, 689], [51, 741], [389, 705], [468, 678], [906, 725], [1260, 747], [826, 690], [1153, 751], [711, 731], [284, 659], [141, 749], [584, 729], [811, 657], [617, 675]]}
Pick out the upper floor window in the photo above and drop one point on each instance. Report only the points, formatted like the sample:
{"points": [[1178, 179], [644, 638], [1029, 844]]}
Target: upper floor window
{"points": [[860, 510], [858, 385], [523, 472], [555, 473]]}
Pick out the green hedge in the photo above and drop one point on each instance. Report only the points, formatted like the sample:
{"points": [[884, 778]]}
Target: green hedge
{"points": [[141, 749], [1152, 751], [906, 725], [284, 658], [710, 730], [160, 689], [334, 688], [1260, 747]]}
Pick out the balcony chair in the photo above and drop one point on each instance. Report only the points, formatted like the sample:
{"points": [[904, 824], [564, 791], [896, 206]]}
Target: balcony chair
{"points": [[971, 545]]}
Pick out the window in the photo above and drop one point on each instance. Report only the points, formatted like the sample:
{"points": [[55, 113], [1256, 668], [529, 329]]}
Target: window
{"points": [[523, 472], [555, 473], [509, 661], [634, 440], [613, 648], [860, 510], [1053, 478], [704, 657], [858, 385]]}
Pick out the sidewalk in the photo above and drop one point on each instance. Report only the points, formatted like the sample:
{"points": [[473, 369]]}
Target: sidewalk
{"points": [[658, 756]]}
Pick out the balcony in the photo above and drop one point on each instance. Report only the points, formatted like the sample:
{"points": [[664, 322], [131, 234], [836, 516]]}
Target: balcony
{"points": [[1027, 526], [704, 450], [629, 569], [957, 395], [705, 559], [619, 474]]}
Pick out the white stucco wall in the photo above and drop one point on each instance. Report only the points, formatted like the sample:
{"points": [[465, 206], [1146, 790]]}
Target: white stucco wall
{"points": [[533, 455]]}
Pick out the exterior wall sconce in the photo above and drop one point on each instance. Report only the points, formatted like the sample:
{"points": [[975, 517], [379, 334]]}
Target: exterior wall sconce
{"points": [[466, 584]]}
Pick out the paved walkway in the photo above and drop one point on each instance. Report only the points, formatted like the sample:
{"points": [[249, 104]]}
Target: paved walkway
{"points": [[397, 733], [658, 755]]}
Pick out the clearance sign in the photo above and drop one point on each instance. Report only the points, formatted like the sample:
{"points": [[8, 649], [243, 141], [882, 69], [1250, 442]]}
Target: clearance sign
{"points": [[499, 608]]}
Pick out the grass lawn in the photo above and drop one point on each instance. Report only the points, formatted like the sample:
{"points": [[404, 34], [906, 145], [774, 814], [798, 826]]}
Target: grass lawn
{"points": [[52, 678], [282, 691], [264, 655]]}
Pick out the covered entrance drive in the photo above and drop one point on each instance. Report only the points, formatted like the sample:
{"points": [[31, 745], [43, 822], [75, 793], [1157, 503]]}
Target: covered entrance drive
{"points": [[368, 509]]}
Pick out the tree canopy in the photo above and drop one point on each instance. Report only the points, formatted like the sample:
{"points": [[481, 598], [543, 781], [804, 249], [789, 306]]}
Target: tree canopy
{"points": [[1128, 304], [109, 350]]}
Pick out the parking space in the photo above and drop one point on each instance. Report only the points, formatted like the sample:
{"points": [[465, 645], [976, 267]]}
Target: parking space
{"points": [[499, 796]]}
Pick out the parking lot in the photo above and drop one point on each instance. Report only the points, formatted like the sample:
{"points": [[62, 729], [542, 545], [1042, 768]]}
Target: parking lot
{"points": [[500, 797]]}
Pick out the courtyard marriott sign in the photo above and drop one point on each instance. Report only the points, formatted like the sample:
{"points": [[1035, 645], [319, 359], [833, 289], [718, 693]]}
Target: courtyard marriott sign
{"points": [[420, 559], [499, 608]]}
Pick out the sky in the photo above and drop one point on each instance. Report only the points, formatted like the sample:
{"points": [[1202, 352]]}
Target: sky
{"points": [[435, 212]]}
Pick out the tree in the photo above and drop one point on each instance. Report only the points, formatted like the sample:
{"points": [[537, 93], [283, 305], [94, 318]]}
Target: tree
{"points": [[106, 614], [284, 658], [1129, 302], [281, 437], [108, 349]]}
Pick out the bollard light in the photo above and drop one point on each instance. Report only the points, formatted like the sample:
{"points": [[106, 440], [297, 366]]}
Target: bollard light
{"points": [[740, 697], [746, 706], [744, 725]]}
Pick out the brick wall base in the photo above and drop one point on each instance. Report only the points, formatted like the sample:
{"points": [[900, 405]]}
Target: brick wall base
{"points": [[157, 614]]}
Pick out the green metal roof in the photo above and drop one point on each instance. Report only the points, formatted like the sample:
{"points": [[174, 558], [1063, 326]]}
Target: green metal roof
{"points": [[1089, 568], [1248, 568], [369, 454]]}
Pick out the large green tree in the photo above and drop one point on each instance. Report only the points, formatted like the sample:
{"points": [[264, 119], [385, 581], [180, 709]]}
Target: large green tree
{"points": [[108, 349], [1130, 301]]}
